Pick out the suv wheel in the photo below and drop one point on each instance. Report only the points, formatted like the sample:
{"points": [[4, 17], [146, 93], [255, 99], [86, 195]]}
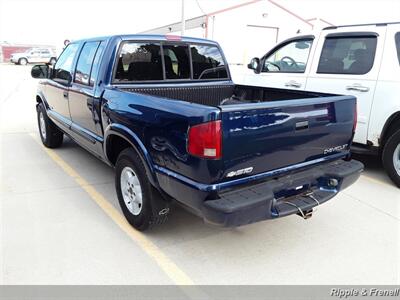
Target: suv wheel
{"points": [[391, 157], [23, 61], [51, 136], [140, 202]]}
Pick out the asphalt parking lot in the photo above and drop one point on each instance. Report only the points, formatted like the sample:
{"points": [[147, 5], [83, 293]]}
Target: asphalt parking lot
{"points": [[61, 223]]}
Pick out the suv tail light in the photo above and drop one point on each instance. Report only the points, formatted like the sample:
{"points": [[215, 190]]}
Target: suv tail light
{"points": [[205, 140]]}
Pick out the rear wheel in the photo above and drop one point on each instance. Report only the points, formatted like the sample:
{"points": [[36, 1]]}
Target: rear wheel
{"points": [[391, 157], [23, 61], [51, 136], [141, 203]]}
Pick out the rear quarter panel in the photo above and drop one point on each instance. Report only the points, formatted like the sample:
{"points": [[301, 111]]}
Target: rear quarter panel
{"points": [[162, 127]]}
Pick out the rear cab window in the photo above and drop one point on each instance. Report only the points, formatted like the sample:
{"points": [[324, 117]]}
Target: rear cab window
{"points": [[176, 61], [207, 62], [139, 61], [158, 61], [348, 54]]}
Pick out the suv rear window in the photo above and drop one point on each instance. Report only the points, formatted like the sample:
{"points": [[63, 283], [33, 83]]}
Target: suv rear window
{"points": [[347, 55], [397, 39]]}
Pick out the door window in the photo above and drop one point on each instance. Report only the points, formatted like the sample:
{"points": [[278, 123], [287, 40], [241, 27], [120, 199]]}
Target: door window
{"points": [[139, 62], [176, 61], [63, 68], [347, 55], [96, 64], [397, 38], [291, 58], [85, 61], [208, 62]]}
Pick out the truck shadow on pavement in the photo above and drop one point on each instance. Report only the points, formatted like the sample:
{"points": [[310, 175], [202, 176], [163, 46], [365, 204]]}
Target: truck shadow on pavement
{"points": [[181, 225]]}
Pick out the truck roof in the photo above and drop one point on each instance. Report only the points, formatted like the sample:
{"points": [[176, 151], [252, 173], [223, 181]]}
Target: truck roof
{"points": [[358, 25], [153, 37]]}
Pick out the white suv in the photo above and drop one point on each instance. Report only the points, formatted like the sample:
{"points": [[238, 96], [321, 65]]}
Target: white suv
{"points": [[34, 55], [359, 60]]}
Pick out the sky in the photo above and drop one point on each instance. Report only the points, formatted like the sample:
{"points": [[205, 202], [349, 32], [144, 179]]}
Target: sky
{"points": [[53, 21]]}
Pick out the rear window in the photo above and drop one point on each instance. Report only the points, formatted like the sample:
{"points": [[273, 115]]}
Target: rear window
{"points": [[141, 61], [397, 39], [207, 62], [176, 61], [347, 55]]}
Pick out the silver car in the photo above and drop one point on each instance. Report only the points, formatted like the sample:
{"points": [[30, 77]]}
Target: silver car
{"points": [[34, 55]]}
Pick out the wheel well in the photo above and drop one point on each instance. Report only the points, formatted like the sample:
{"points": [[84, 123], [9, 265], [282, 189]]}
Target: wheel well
{"points": [[391, 126], [38, 99], [115, 145]]}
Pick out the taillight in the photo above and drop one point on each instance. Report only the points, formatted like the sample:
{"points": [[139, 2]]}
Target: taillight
{"points": [[355, 117], [205, 140]]}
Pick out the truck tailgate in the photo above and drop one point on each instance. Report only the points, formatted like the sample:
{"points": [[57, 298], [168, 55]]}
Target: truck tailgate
{"points": [[262, 137]]}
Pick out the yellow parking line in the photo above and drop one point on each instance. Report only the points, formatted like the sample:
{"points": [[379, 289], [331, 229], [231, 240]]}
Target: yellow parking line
{"points": [[167, 265]]}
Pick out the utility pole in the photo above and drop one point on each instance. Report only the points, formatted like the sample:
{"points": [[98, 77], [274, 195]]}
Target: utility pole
{"points": [[183, 18]]}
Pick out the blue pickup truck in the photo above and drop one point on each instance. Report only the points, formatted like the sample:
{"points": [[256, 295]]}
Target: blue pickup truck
{"points": [[164, 112]]}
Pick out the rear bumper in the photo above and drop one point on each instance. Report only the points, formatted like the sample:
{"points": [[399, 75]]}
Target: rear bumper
{"points": [[279, 197]]}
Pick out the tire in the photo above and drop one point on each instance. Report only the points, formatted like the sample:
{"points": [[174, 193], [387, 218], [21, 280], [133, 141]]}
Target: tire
{"points": [[391, 157], [51, 136], [53, 61], [23, 61], [141, 204]]}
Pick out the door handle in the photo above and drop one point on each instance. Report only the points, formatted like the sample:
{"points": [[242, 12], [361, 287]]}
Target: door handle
{"points": [[293, 83], [357, 87], [65, 94]]}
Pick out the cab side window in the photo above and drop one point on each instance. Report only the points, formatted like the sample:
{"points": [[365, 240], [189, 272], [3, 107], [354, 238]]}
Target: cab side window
{"points": [[291, 58], [350, 55], [85, 61], [397, 39], [96, 63], [63, 68]]}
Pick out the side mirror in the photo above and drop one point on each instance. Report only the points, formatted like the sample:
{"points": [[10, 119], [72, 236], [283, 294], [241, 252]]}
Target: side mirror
{"points": [[40, 71], [254, 64]]}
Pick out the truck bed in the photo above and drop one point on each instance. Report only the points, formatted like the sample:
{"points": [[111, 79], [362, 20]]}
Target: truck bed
{"points": [[219, 94]]}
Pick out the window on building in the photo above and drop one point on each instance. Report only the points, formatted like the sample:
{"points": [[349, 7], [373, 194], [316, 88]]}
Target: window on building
{"points": [[347, 55]]}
